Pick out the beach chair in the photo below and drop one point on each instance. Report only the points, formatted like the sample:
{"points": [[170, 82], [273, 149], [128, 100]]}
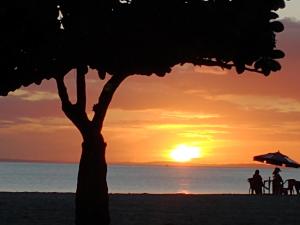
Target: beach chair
{"points": [[292, 186], [251, 187], [266, 186]]}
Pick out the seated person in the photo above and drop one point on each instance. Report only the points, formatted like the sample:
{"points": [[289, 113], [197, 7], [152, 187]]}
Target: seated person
{"points": [[256, 183], [277, 182]]}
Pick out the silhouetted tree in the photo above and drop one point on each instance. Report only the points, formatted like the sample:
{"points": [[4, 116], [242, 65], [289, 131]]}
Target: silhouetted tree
{"points": [[46, 39]]}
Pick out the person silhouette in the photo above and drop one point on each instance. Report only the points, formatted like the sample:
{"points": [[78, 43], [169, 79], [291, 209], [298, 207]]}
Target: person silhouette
{"points": [[277, 182], [257, 183]]}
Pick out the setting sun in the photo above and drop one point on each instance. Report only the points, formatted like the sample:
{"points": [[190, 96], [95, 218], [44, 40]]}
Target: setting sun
{"points": [[184, 153]]}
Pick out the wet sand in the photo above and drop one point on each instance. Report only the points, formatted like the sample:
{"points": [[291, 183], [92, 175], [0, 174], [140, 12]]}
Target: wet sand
{"points": [[151, 209]]}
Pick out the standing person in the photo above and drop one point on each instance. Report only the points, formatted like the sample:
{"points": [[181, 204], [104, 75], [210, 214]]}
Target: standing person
{"points": [[257, 182], [277, 182]]}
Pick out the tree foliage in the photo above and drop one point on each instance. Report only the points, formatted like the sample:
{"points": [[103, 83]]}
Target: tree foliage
{"points": [[45, 39]]}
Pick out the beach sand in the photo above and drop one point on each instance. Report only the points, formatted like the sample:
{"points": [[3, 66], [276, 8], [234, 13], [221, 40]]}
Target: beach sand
{"points": [[152, 209]]}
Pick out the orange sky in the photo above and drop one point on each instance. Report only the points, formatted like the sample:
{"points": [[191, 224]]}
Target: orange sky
{"points": [[230, 117]]}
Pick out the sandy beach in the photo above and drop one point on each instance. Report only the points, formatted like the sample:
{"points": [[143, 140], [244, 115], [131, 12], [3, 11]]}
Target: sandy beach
{"points": [[151, 209]]}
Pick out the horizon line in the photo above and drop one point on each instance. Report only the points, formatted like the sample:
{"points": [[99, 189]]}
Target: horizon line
{"points": [[160, 163]]}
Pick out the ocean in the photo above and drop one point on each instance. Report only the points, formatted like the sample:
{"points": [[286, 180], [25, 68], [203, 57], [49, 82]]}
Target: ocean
{"points": [[58, 177]]}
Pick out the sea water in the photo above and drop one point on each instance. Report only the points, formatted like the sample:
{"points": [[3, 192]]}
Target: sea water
{"points": [[54, 177]]}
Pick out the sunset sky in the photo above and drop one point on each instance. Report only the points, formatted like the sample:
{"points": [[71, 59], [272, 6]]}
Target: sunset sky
{"points": [[229, 117]]}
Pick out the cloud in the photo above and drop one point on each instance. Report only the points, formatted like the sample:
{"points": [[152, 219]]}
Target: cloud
{"points": [[288, 40], [291, 22], [155, 115], [187, 115], [256, 102], [33, 96], [6, 123], [34, 125], [187, 68], [210, 70], [146, 124]]}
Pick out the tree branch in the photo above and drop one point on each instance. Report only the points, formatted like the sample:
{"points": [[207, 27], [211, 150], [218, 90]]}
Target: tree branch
{"points": [[77, 116], [62, 92], [104, 100], [81, 87]]}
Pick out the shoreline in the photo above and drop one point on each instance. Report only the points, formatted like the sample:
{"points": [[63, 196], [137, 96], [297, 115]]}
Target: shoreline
{"points": [[24, 208]]}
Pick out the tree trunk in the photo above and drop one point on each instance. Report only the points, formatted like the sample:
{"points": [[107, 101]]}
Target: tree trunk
{"points": [[92, 193]]}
